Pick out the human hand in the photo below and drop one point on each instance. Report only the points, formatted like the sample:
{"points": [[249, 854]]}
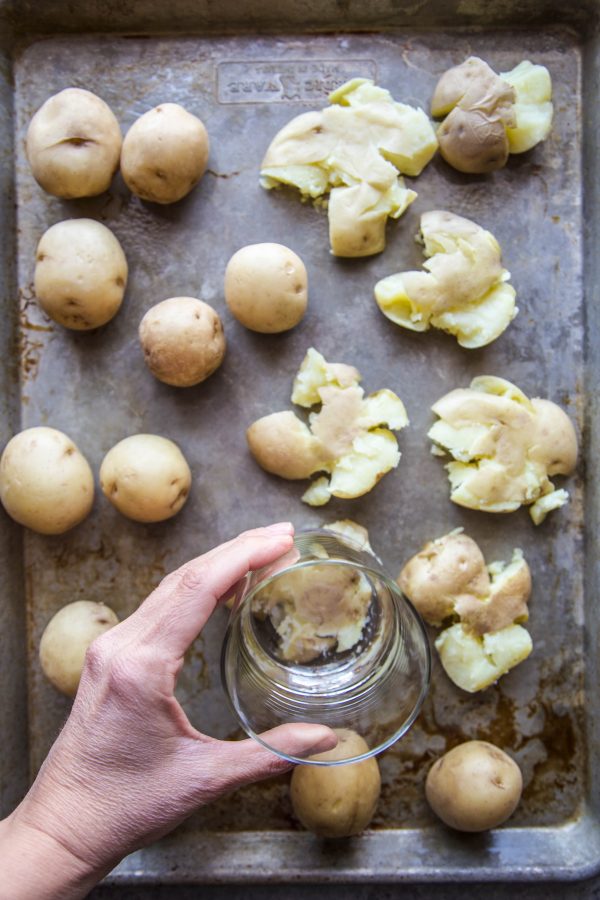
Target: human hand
{"points": [[128, 765]]}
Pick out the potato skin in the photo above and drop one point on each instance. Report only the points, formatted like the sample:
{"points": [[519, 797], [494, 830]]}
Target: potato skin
{"points": [[283, 445], [45, 481], [80, 274], [337, 801], [164, 154], [474, 787], [146, 477], [266, 287], [66, 638], [73, 144], [472, 143], [183, 341]]}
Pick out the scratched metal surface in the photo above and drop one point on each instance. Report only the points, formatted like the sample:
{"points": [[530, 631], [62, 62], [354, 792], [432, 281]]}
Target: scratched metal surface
{"points": [[97, 389]]}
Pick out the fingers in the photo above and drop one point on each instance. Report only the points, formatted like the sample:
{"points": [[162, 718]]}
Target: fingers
{"points": [[174, 614], [247, 761]]}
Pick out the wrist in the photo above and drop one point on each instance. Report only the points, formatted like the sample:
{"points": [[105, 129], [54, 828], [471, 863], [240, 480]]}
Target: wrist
{"points": [[38, 867]]}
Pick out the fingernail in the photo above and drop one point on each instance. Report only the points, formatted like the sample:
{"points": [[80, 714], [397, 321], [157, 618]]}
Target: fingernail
{"points": [[280, 528], [327, 742]]}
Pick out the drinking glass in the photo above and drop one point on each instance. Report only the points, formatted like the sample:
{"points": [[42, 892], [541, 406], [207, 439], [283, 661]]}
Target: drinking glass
{"points": [[324, 635]]}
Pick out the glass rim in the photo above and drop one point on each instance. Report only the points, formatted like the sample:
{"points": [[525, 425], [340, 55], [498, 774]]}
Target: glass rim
{"points": [[396, 594]]}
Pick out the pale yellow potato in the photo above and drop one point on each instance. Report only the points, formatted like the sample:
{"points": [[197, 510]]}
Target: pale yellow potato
{"points": [[66, 639], [80, 274], [183, 341], [73, 144], [337, 801], [146, 477], [474, 787], [45, 481], [266, 287], [164, 154]]}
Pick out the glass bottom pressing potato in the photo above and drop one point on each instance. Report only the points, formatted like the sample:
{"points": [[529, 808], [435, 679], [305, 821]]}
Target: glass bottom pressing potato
{"points": [[325, 636]]}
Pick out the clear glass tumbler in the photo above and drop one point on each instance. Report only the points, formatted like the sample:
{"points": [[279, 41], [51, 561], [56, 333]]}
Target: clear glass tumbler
{"points": [[324, 635]]}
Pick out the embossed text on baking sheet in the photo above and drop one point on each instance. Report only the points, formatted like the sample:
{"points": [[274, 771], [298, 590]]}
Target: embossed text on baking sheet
{"points": [[278, 80]]}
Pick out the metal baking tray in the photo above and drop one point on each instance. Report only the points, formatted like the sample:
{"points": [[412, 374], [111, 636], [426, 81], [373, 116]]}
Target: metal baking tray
{"points": [[246, 69]]}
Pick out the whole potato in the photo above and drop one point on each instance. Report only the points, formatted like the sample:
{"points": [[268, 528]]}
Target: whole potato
{"points": [[474, 787], [164, 154], [66, 638], [266, 287], [80, 274], [146, 477], [183, 341], [73, 144], [337, 801], [45, 481]]}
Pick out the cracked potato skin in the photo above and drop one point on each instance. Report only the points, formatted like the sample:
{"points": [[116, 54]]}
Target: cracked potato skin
{"points": [[146, 477], [80, 274], [474, 787], [73, 144], [45, 481]]}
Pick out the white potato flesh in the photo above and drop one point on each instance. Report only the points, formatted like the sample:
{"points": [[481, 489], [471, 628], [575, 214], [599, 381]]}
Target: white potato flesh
{"points": [[45, 481], [73, 144], [66, 639], [474, 662], [356, 147], [533, 107], [80, 274], [146, 477]]}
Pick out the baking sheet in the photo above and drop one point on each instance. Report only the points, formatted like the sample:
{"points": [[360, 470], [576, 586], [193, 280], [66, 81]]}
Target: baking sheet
{"points": [[97, 389]]}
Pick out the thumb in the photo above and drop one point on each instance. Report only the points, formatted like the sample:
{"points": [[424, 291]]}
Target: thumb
{"points": [[249, 761]]}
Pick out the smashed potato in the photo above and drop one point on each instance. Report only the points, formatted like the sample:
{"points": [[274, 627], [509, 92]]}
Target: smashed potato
{"points": [[448, 581], [505, 447], [355, 149], [315, 610], [463, 289], [488, 116], [345, 438]]}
